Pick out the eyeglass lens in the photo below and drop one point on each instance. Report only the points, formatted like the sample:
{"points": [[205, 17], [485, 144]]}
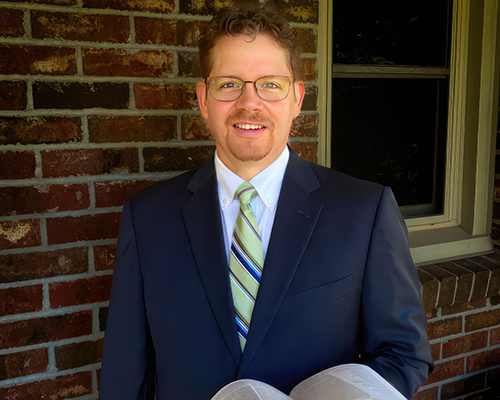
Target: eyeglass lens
{"points": [[270, 88]]}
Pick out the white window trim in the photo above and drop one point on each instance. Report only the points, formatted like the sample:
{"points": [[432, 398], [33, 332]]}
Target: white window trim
{"points": [[464, 227]]}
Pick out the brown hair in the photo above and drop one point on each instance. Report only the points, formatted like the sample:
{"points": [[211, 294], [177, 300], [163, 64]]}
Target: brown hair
{"points": [[248, 18]]}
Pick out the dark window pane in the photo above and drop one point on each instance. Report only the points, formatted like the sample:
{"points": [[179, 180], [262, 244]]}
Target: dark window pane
{"points": [[393, 131], [391, 32]]}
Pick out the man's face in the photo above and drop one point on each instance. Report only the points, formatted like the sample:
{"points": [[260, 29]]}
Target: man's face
{"points": [[239, 148]]}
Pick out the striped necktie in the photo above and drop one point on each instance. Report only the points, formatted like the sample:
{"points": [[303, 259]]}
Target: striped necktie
{"points": [[246, 261]]}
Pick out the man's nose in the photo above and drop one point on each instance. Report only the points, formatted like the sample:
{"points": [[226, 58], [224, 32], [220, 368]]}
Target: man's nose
{"points": [[249, 99]]}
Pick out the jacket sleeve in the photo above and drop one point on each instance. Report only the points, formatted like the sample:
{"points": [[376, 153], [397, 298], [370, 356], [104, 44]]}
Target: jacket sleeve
{"points": [[127, 344], [394, 323]]}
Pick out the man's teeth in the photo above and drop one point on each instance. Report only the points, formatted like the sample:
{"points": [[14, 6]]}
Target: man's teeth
{"points": [[248, 126]]}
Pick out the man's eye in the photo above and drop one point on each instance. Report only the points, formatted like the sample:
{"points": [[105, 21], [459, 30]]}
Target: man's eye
{"points": [[228, 85], [270, 85]]}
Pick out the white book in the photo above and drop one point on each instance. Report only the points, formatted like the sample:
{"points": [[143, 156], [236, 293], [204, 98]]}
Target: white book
{"points": [[343, 382]]}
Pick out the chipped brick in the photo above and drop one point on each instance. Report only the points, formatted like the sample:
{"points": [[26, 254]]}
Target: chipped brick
{"points": [[12, 98], [19, 234], [34, 60], [114, 193], [129, 63], [151, 128], [60, 163], [83, 228], [81, 291], [81, 27], [76, 355], [19, 267], [175, 96], [42, 330], [176, 158], [43, 199]]}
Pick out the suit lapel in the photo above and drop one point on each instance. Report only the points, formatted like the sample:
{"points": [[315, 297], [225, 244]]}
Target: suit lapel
{"points": [[294, 223], [204, 228]]}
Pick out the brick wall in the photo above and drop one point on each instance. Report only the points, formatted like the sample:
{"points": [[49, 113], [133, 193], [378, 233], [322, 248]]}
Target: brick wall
{"points": [[97, 100], [462, 302]]}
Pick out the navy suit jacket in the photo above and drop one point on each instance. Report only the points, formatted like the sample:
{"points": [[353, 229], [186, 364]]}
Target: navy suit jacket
{"points": [[338, 286]]}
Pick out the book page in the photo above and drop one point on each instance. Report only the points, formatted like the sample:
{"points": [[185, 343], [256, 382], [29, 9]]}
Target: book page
{"points": [[346, 382], [248, 389]]}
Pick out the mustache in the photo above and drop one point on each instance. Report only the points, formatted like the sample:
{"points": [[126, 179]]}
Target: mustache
{"points": [[242, 115]]}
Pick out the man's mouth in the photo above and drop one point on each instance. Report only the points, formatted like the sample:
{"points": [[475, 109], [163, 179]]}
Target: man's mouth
{"points": [[249, 126]]}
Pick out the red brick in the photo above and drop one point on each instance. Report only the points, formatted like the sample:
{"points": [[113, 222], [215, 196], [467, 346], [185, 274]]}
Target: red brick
{"points": [[156, 6], [444, 327], [189, 64], [460, 308], [446, 370], [81, 291], [296, 11], [306, 40], [42, 330], [307, 69], [43, 199], [20, 300], [159, 159], [482, 320], [23, 363], [465, 344], [11, 23], [104, 257], [175, 96], [12, 98], [431, 314], [486, 359], [81, 27], [59, 388], [436, 351], [83, 228], [38, 265], [193, 128], [310, 101], [464, 386], [19, 234], [307, 150], [305, 125], [60, 163], [52, 2], [114, 193], [128, 62], [76, 355], [34, 60], [17, 165], [171, 33], [428, 394], [203, 7], [36, 130], [152, 128], [81, 95], [495, 336]]}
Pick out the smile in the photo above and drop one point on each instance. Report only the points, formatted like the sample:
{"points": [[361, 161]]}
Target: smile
{"points": [[248, 126]]}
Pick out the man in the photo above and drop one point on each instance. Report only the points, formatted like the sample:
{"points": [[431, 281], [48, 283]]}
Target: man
{"points": [[337, 283]]}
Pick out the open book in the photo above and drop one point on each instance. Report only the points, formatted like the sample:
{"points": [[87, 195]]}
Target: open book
{"points": [[343, 382]]}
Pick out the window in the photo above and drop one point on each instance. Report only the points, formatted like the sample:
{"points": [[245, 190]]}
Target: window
{"points": [[457, 221], [390, 95]]}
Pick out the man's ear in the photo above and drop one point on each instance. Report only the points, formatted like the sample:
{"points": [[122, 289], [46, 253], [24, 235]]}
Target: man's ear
{"points": [[299, 92], [201, 94]]}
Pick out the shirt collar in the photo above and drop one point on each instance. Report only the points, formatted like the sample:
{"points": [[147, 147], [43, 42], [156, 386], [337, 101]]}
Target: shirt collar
{"points": [[267, 182]]}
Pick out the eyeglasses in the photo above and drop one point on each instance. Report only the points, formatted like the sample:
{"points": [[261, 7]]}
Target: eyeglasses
{"points": [[268, 88]]}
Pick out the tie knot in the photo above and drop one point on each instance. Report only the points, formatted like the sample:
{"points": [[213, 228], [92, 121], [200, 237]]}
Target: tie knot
{"points": [[245, 193]]}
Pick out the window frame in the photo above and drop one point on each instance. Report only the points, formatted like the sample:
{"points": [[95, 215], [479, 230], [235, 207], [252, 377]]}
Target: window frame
{"points": [[464, 227]]}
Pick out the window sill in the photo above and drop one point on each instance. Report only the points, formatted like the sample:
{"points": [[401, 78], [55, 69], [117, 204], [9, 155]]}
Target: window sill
{"points": [[440, 244]]}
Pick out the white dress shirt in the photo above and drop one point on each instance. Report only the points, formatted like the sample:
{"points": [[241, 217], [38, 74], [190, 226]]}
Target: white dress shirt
{"points": [[268, 185]]}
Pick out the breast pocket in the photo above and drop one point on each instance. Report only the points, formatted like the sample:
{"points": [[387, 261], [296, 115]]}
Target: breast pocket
{"points": [[320, 295]]}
